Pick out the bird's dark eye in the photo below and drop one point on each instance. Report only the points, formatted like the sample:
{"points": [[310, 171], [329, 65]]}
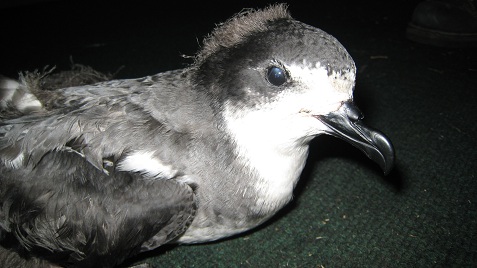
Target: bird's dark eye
{"points": [[276, 76]]}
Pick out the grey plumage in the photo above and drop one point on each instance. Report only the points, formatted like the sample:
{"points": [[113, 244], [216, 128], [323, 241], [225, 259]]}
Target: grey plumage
{"points": [[93, 174]]}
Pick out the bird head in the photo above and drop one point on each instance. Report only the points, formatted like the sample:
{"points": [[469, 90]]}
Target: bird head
{"points": [[279, 83]]}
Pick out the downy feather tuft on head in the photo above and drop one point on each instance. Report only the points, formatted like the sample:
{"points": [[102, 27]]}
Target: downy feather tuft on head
{"points": [[236, 29]]}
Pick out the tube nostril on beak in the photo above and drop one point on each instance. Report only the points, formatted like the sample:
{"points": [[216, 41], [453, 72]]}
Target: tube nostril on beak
{"points": [[353, 113], [345, 123]]}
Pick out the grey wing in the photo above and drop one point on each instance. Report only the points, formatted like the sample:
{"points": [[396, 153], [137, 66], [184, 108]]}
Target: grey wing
{"points": [[73, 213], [87, 120], [106, 119], [59, 200]]}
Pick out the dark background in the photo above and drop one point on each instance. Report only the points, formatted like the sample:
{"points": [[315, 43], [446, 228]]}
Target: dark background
{"points": [[345, 212]]}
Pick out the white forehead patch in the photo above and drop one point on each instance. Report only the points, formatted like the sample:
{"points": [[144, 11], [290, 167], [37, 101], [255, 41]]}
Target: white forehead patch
{"points": [[317, 77], [321, 93], [343, 81]]}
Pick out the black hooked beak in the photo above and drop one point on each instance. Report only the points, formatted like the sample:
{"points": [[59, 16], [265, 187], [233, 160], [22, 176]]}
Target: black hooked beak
{"points": [[346, 124]]}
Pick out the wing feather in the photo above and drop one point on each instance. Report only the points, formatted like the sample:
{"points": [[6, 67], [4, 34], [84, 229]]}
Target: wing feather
{"points": [[86, 217]]}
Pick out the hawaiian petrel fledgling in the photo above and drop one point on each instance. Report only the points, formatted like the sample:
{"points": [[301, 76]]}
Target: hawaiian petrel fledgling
{"points": [[91, 175]]}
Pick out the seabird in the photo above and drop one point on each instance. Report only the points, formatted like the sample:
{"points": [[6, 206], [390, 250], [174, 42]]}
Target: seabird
{"points": [[91, 175]]}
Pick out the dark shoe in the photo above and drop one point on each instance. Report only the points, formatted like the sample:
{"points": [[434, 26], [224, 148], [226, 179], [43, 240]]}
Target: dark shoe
{"points": [[444, 23]]}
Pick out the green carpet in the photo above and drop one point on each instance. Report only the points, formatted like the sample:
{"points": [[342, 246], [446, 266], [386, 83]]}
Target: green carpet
{"points": [[345, 212]]}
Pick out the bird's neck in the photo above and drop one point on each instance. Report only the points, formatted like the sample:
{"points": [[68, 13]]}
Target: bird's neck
{"points": [[272, 149], [278, 169], [258, 183]]}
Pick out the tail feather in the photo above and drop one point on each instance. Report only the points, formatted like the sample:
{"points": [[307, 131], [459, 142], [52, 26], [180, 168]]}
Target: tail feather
{"points": [[35, 91], [16, 97]]}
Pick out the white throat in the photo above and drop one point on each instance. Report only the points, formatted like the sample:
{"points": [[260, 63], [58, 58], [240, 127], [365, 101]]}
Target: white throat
{"points": [[271, 153]]}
